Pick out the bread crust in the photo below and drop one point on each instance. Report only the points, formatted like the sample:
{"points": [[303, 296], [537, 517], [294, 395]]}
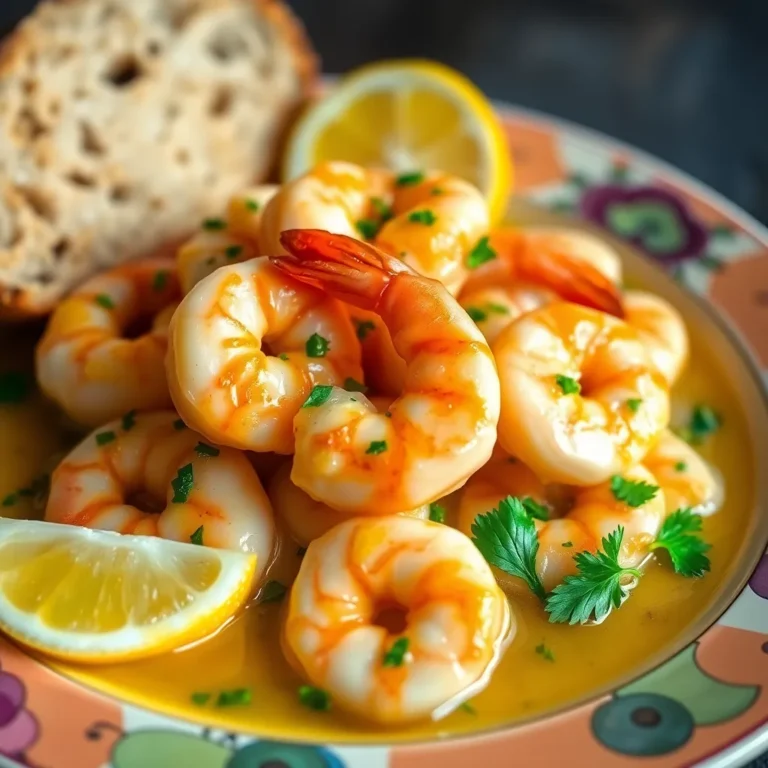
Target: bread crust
{"points": [[31, 280]]}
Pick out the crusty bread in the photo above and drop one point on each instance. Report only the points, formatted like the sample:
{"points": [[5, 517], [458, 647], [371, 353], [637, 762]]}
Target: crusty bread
{"points": [[124, 122]]}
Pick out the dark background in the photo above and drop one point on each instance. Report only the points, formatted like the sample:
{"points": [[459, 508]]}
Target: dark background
{"points": [[686, 80]]}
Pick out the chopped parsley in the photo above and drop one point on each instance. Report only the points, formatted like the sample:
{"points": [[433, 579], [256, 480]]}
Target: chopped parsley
{"points": [[534, 509], [10, 499], [233, 251], [376, 447], [506, 537], [182, 484], [272, 592], [37, 489], [703, 423], [480, 253], [567, 544], [422, 217], [545, 652], [409, 179], [363, 328], [105, 301], [477, 314], [353, 385], [214, 224], [201, 698], [681, 466], [633, 493], [129, 420], [599, 586], [252, 205], [468, 708], [14, 387], [368, 228], [498, 309], [317, 346], [679, 535], [436, 191], [104, 438], [203, 449], [395, 656], [319, 394], [383, 211], [436, 512], [179, 424], [237, 697], [567, 385], [634, 404], [160, 280], [315, 698], [283, 356], [197, 536]]}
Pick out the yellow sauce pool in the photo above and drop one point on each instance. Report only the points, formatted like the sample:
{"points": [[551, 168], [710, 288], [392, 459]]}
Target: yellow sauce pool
{"points": [[247, 653]]}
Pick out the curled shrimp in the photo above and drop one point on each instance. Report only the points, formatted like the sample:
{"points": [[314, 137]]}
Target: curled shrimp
{"points": [[686, 479], [439, 430], [225, 241], [431, 223], [579, 517], [305, 518], [153, 476], [95, 359], [581, 398], [661, 329], [225, 383], [457, 620]]}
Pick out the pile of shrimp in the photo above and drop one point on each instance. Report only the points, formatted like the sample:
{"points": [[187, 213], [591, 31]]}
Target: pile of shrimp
{"points": [[323, 366]]}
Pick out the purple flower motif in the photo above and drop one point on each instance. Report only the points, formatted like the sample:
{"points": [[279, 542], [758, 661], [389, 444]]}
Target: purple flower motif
{"points": [[758, 582], [18, 727], [652, 219]]}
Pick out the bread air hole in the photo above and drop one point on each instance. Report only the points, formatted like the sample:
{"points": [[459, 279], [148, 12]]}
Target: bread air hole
{"points": [[90, 141], [222, 101], [29, 125], [80, 179], [60, 247], [120, 193], [227, 44], [124, 70], [40, 202]]}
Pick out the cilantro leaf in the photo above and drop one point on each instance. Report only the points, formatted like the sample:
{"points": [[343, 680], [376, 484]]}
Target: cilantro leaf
{"points": [[436, 512], [480, 253], [315, 698], [477, 314], [598, 587], [233, 251], [425, 217], [383, 210], [409, 179], [129, 420], [234, 698], [568, 385], [534, 509], [506, 538], [317, 346], [634, 404], [368, 228], [634, 493], [197, 536], [363, 328], [544, 652], [160, 280], [272, 592], [252, 205], [319, 394], [703, 423], [203, 449], [679, 536], [376, 447], [104, 438], [182, 484], [104, 301], [395, 656], [214, 224]]}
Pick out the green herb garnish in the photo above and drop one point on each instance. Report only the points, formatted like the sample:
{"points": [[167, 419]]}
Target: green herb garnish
{"points": [[506, 537], [14, 387], [233, 251], [422, 217], [477, 314], [200, 698], [319, 394], [353, 385], [197, 536], [317, 346], [103, 438], [436, 191], [437, 512], [634, 404], [383, 210], [363, 328], [468, 708], [409, 179], [704, 422], [376, 447], [315, 698], [129, 420], [534, 509], [283, 356], [567, 385], [679, 536], [633, 493], [273, 592], [104, 301], [681, 466], [368, 228], [179, 424], [598, 588], [480, 253], [203, 449], [214, 224], [252, 205], [395, 656], [567, 544], [545, 652], [182, 484], [237, 697], [160, 280], [10, 499]]}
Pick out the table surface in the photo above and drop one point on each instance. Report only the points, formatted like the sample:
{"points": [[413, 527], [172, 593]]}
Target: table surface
{"points": [[682, 79]]}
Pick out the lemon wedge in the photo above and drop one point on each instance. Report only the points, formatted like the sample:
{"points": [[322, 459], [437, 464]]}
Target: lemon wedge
{"points": [[96, 596], [407, 115]]}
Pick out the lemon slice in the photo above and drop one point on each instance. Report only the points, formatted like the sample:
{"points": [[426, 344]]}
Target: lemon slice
{"points": [[407, 115], [96, 596]]}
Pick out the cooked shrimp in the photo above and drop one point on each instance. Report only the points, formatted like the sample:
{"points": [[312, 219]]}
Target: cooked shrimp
{"points": [[224, 384], [94, 360], [225, 241], [590, 514], [305, 518], [661, 329], [574, 265], [439, 430], [686, 479], [431, 224], [153, 476], [457, 620], [577, 437]]}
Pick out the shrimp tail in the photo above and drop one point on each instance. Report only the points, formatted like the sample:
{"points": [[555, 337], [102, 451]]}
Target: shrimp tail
{"points": [[348, 269]]}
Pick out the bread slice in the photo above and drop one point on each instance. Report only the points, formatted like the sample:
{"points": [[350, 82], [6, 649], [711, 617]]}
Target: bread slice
{"points": [[123, 123]]}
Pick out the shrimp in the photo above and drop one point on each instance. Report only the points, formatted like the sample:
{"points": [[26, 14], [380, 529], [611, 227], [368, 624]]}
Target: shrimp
{"points": [[579, 517], [155, 477], [94, 359], [457, 620], [225, 241], [661, 329], [431, 223], [546, 263], [581, 398], [305, 518], [439, 430], [686, 479], [224, 384]]}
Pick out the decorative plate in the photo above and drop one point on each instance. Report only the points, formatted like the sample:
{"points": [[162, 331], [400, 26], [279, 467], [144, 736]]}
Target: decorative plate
{"points": [[707, 705]]}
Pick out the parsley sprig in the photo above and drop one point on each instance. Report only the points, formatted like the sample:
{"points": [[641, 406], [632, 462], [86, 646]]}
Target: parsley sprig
{"points": [[679, 537]]}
